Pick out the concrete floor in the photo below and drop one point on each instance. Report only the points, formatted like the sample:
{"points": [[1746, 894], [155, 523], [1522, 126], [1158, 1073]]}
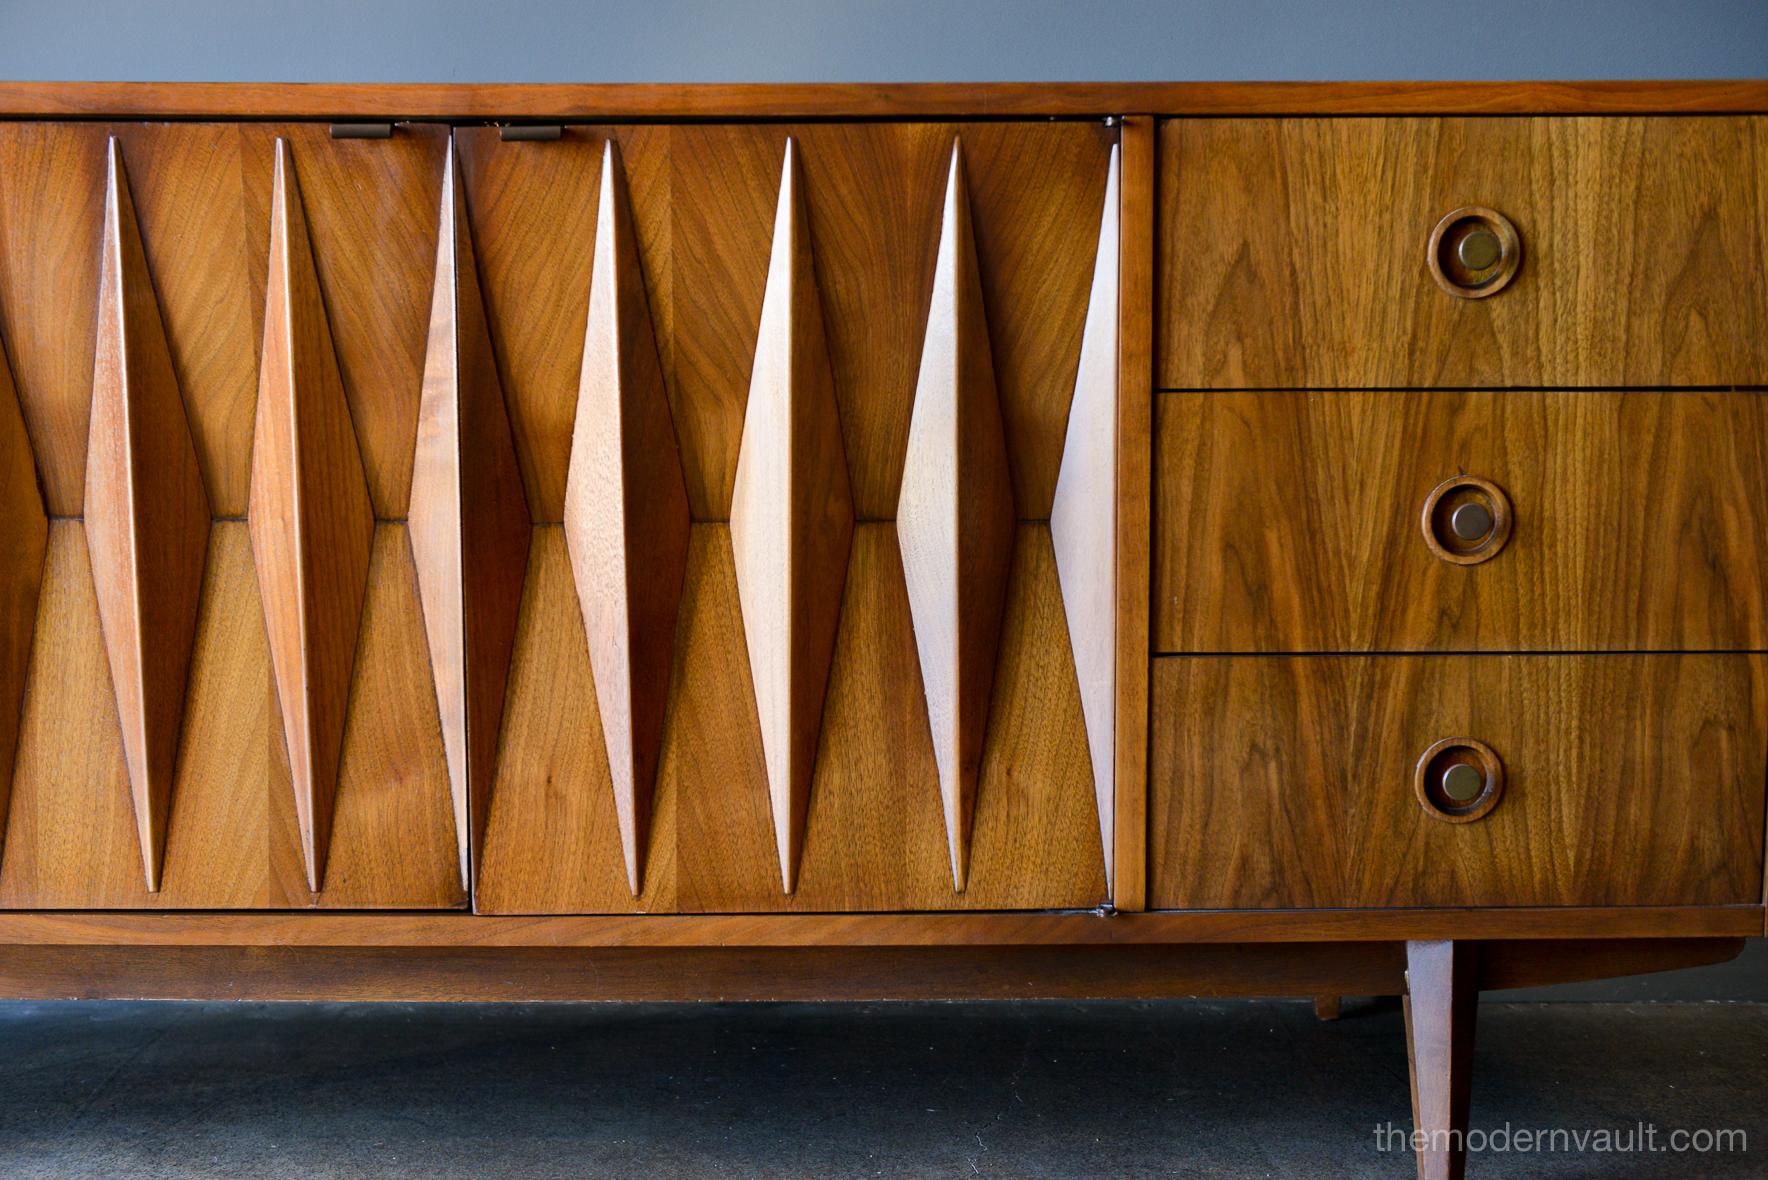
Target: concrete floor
{"points": [[1218, 1089]]}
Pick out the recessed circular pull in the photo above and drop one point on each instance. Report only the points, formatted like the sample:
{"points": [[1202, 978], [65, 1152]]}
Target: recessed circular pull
{"points": [[1474, 252], [1458, 780], [1466, 520]]}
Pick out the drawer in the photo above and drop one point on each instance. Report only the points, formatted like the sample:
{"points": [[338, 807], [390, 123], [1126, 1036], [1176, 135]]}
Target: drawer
{"points": [[1289, 781], [1294, 252], [1292, 521]]}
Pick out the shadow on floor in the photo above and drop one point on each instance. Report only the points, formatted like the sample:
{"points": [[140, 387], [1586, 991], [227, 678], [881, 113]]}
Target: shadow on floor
{"points": [[1217, 1089]]}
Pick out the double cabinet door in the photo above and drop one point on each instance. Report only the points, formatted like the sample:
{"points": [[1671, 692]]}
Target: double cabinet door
{"points": [[1459, 539], [521, 524]]}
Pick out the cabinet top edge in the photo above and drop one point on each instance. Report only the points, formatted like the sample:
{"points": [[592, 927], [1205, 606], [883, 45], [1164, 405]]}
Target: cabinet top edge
{"points": [[640, 101]]}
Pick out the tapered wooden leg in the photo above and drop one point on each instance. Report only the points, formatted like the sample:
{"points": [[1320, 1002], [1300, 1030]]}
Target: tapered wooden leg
{"points": [[1328, 1007], [1442, 1001]]}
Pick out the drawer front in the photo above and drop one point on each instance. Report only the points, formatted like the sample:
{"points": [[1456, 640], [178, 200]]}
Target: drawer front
{"points": [[1280, 782], [1614, 521], [1294, 252]]}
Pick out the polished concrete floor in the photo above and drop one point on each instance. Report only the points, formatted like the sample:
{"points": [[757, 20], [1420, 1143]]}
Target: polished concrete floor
{"points": [[1217, 1089]]}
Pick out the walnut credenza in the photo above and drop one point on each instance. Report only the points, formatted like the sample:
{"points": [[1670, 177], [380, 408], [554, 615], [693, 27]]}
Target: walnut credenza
{"points": [[716, 542]]}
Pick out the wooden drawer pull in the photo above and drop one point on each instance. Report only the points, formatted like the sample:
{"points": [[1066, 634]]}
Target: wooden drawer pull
{"points": [[1474, 252], [1466, 520], [1458, 780]]}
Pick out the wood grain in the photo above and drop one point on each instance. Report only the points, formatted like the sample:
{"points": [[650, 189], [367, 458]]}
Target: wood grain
{"points": [[955, 518], [311, 525], [590, 101], [680, 975], [202, 228], [1083, 518], [203, 237], [534, 211], [41, 969], [24, 536], [704, 199], [372, 207], [51, 205], [147, 517], [1293, 253], [1292, 522], [232, 837], [469, 524], [1442, 1007], [1283, 782], [1134, 532], [626, 516], [875, 836], [791, 520], [1539, 945]]}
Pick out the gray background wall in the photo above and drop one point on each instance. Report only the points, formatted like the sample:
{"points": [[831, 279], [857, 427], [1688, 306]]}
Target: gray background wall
{"points": [[874, 40], [903, 40]]}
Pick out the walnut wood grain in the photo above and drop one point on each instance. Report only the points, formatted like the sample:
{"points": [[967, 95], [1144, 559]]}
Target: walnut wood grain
{"points": [[691, 975], [39, 968], [1287, 781], [791, 520], [203, 238], [51, 206], [469, 524], [875, 836], [1540, 945], [24, 536], [1134, 510], [626, 516], [1293, 253], [371, 213], [954, 518], [703, 202], [201, 195], [232, 837], [311, 525], [1442, 1007], [534, 210], [589, 101], [1083, 517], [1292, 522], [147, 517]]}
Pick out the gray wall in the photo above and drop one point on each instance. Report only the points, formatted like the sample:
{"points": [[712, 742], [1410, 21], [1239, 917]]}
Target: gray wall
{"points": [[874, 40], [905, 40]]}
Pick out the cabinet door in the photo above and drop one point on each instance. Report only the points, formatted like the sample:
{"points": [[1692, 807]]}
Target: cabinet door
{"points": [[154, 744], [1296, 253], [697, 210]]}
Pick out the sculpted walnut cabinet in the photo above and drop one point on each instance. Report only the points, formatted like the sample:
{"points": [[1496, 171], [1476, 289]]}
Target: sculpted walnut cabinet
{"points": [[731, 542]]}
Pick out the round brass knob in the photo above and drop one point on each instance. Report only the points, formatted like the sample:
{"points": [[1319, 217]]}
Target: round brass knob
{"points": [[1479, 249], [1466, 520], [1458, 780], [1473, 252], [1463, 783]]}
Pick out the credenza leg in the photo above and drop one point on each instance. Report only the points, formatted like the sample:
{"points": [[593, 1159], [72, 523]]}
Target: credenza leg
{"points": [[1442, 1002], [1328, 1007]]}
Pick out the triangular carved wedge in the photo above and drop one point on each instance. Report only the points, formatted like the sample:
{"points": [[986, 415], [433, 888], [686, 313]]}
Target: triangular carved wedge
{"points": [[791, 520], [311, 524], [1083, 518], [469, 523], [147, 518], [24, 539], [626, 516], [955, 518]]}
